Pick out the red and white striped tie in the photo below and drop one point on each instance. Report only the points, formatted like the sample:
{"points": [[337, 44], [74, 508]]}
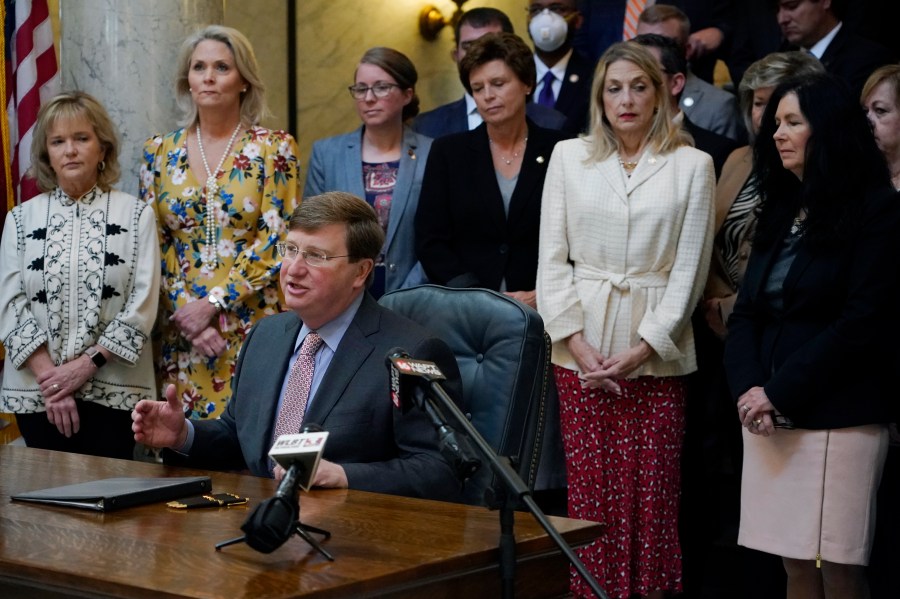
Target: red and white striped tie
{"points": [[296, 394], [633, 10]]}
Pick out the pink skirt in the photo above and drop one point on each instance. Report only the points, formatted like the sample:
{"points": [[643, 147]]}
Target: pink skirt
{"points": [[809, 493]]}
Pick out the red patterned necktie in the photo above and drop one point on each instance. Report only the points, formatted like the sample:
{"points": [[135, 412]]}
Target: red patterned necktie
{"points": [[633, 10], [296, 394]]}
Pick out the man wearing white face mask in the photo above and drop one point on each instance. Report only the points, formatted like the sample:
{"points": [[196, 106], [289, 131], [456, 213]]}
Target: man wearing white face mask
{"points": [[563, 76]]}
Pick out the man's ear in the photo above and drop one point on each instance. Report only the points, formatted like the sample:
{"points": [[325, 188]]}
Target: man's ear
{"points": [[677, 82]]}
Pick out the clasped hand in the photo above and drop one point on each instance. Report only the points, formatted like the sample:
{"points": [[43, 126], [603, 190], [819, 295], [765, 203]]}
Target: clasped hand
{"points": [[58, 386], [194, 320], [599, 372], [756, 412]]}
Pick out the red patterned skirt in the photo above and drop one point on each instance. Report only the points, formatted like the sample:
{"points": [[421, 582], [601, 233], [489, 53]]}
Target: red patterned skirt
{"points": [[623, 465]]}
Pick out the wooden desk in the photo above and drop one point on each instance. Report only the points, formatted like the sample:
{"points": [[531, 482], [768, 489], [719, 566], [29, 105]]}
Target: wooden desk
{"points": [[384, 546]]}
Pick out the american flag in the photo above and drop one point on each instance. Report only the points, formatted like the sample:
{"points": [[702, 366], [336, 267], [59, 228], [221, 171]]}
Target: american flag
{"points": [[31, 77]]}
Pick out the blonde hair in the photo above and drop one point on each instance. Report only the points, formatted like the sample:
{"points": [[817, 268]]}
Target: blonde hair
{"points": [[886, 74], [72, 105], [771, 71], [663, 135], [253, 101]]}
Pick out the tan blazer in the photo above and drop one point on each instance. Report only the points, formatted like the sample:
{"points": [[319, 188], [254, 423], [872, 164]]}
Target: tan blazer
{"points": [[624, 259], [734, 176]]}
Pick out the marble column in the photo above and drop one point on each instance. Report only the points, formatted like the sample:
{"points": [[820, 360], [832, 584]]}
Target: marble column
{"points": [[124, 53]]}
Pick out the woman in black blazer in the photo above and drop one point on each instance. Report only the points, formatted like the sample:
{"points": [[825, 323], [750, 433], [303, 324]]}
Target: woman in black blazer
{"points": [[803, 348], [479, 210]]}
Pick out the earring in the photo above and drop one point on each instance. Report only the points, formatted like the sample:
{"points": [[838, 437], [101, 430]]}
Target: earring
{"points": [[190, 89], [102, 166], [244, 91]]}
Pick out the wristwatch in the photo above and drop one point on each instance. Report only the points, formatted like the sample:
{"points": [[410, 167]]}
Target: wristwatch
{"points": [[216, 302], [96, 356]]}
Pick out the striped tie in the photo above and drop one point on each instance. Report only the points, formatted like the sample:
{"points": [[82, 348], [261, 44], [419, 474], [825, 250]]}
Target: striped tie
{"points": [[633, 10]]}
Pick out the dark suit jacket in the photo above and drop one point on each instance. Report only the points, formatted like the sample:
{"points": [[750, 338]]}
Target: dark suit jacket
{"points": [[452, 118], [717, 146], [574, 99], [463, 236], [826, 360], [380, 449], [853, 58], [604, 19]]}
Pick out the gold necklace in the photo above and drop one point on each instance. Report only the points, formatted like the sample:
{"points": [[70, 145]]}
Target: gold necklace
{"points": [[629, 165], [503, 158]]}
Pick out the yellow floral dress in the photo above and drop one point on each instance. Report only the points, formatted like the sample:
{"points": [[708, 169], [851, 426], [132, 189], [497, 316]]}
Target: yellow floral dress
{"points": [[258, 181]]}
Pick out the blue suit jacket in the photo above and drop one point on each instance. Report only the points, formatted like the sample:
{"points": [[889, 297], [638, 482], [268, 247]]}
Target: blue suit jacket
{"points": [[336, 165], [452, 118], [603, 21], [381, 449]]}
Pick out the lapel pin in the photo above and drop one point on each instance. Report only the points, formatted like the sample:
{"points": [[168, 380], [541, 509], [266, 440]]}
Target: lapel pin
{"points": [[573, 78], [540, 159], [411, 153], [652, 160], [688, 101]]}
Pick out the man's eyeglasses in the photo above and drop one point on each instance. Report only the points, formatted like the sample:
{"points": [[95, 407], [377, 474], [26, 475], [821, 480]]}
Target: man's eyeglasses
{"points": [[290, 252], [560, 9], [379, 90]]}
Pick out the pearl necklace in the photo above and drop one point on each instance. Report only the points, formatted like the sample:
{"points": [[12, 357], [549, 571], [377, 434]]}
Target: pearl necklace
{"points": [[209, 255], [515, 154]]}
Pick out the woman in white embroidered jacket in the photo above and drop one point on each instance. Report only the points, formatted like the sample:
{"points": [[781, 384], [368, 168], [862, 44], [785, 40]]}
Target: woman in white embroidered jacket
{"points": [[79, 288], [625, 240]]}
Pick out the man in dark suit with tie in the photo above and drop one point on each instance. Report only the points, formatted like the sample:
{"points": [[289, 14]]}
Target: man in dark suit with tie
{"points": [[815, 26], [462, 115], [563, 75], [328, 257]]}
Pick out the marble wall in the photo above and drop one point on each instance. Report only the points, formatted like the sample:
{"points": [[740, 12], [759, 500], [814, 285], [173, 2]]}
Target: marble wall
{"points": [[124, 53]]}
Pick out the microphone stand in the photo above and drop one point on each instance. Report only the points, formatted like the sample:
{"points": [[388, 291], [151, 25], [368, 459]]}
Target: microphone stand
{"points": [[264, 530], [506, 495], [297, 527]]}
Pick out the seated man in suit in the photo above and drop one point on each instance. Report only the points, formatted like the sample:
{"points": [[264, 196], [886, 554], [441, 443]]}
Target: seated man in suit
{"points": [[462, 115], [563, 76], [337, 337], [703, 103], [674, 66]]}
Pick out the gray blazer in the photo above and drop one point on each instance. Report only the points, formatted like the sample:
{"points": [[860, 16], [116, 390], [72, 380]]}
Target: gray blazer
{"points": [[336, 165], [381, 449], [712, 108]]}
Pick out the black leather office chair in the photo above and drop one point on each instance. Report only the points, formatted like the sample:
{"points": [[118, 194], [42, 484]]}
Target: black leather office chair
{"points": [[504, 360]]}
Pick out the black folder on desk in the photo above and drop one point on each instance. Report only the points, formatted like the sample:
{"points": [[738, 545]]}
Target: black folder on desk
{"points": [[117, 493]]}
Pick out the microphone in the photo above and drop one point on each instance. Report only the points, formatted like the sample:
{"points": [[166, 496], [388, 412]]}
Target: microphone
{"points": [[407, 388], [274, 520], [299, 455]]}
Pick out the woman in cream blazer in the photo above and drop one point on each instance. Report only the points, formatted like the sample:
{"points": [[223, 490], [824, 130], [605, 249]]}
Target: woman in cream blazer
{"points": [[626, 234]]}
